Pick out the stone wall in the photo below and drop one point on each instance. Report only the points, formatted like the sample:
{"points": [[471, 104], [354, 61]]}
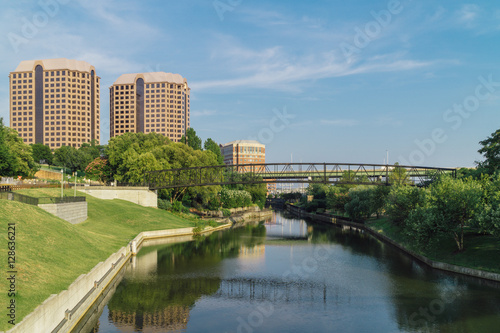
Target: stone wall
{"points": [[73, 212], [138, 195]]}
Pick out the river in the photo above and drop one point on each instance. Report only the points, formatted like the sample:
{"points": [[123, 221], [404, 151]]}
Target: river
{"points": [[292, 275]]}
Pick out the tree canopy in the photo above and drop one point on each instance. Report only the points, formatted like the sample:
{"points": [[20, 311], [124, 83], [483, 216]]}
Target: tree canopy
{"points": [[193, 140], [491, 151], [16, 157]]}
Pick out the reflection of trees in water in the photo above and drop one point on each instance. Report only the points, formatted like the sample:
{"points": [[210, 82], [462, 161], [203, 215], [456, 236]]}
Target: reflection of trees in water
{"points": [[164, 300], [424, 299]]}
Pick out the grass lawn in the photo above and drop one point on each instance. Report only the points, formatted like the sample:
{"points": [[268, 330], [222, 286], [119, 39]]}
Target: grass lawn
{"points": [[481, 251], [51, 253]]}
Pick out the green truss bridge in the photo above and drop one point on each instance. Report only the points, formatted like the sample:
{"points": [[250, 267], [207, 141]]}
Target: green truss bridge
{"points": [[324, 173]]}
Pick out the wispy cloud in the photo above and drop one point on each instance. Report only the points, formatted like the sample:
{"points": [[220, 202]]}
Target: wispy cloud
{"points": [[340, 122], [468, 14], [203, 113]]}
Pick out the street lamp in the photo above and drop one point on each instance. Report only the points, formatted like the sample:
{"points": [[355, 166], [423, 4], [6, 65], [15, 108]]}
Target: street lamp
{"points": [[62, 182]]}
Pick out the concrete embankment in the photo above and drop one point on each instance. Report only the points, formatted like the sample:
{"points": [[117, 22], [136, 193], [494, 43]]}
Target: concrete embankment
{"points": [[434, 264], [61, 312]]}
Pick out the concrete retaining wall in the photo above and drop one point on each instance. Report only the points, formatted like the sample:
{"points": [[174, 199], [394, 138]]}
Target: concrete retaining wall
{"points": [[138, 195], [73, 212], [61, 312], [434, 264]]}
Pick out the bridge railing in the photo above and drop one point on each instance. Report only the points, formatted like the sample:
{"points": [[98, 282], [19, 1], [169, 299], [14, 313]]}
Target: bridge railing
{"points": [[349, 173]]}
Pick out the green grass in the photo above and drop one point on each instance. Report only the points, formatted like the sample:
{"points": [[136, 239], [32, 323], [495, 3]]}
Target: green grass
{"points": [[51, 253], [481, 251]]}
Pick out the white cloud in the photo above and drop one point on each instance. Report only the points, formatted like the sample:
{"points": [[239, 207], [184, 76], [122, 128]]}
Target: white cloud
{"points": [[203, 113], [340, 122], [468, 14]]}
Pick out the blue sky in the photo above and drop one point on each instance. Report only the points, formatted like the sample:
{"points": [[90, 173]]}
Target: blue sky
{"points": [[316, 81]]}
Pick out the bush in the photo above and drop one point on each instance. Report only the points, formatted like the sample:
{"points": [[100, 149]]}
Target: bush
{"points": [[226, 212], [235, 198], [164, 204]]}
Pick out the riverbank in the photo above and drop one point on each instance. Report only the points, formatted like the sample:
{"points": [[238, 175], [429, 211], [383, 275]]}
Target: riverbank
{"points": [[383, 232], [51, 253]]}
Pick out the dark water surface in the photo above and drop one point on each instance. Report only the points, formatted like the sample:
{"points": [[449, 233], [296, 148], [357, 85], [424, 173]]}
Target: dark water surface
{"points": [[289, 275]]}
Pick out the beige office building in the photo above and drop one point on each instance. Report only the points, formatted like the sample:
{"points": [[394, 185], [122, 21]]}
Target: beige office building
{"points": [[150, 102], [244, 152], [55, 102]]}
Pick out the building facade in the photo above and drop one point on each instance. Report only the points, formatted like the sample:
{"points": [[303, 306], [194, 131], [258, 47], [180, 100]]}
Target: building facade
{"points": [[150, 102], [55, 102], [244, 152]]}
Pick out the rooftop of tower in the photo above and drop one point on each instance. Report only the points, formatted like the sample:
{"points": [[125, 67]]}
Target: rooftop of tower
{"points": [[53, 64]]}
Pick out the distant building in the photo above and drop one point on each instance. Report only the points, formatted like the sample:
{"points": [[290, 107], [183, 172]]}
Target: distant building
{"points": [[55, 102], [244, 152], [150, 102]]}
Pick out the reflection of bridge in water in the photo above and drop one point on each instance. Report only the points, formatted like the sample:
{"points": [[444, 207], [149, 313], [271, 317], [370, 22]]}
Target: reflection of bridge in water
{"points": [[273, 290]]}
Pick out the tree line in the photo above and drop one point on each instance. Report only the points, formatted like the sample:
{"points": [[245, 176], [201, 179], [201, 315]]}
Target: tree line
{"points": [[446, 208], [126, 158]]}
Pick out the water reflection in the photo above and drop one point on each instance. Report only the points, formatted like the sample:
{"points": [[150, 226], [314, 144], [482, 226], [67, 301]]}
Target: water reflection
{"points": [[289, 275]]}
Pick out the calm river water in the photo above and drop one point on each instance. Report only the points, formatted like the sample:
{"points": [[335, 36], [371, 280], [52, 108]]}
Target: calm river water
{"points": [[289, 275]]}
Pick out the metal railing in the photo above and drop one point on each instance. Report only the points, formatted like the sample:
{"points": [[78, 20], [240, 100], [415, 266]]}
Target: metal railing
{"points": [[38, 201]]}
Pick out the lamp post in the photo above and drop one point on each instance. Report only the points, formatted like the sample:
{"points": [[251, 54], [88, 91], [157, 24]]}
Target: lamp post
{"points": [[75, 174], [62, 182]]}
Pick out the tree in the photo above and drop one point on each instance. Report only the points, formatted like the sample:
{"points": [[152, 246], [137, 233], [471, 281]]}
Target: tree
{"points": [[402, 200], [67, 156], [193, 140], [212, 146], [42, 153], [16, 157], [87, 153], [399, 176], [99, 169], [450, 206], [491, 151], [359, 205]]}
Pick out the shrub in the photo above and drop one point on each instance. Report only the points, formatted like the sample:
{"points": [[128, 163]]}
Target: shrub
{"points": [[226, 212]]}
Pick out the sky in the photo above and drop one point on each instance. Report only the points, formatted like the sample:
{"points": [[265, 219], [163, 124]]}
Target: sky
{"points": [[315, 81]]}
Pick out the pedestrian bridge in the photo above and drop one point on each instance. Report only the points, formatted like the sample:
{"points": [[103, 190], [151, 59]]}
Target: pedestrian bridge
{"points": [[321, 173]]}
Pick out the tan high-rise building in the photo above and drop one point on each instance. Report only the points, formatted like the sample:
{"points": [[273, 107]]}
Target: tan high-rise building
{"points": [[55, 102], [150, 102], [244, 152]]}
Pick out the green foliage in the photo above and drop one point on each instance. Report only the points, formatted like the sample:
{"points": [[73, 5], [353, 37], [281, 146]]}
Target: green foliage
{"points": [[132, 154], [337, 197], [258, 191], [401, 200], [292, 196], [235, 198], [359, 205], [211, 145], [448, 208], [16, 158], [68, 157], [226, 212], [399, 176], [193, 140], [489, 220], [491, 151], [42, 153]]}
